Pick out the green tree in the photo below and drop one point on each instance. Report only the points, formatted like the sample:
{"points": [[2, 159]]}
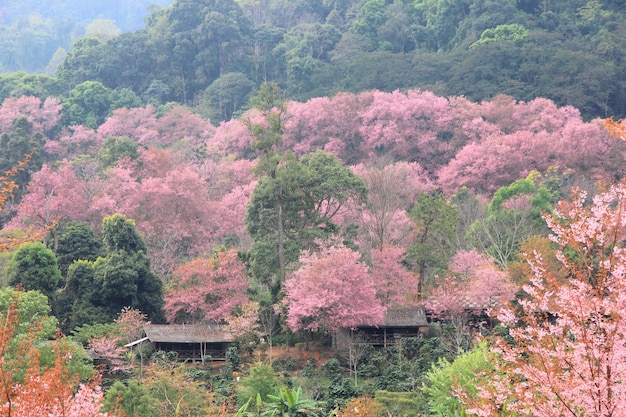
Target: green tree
{"points": [[206, 38], [305, 50], [435, 222], [510, 32], [99, 290], [35, 267], [371, 17], [396, 30], [156, 93], [20, 141], [27, 315], [513, 215], [77, 303], [80, 65], [124, 274], [260, 381], [88, 104], [32, 310], [103, 29], [227, 95], [446, 377], [75, 241], [296, 205], [116, 148], [133, 399], [17, 84], [124, 97]]}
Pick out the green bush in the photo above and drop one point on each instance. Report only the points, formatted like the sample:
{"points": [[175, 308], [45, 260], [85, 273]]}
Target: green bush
{"points": [[399, 403]]}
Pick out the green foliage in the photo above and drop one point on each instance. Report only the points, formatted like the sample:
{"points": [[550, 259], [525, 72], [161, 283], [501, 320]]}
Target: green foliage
{"points": [[82, 334], [446, 377], [79, 362], [541, 197], [88, 104], [435, 222], [75, 306], [261, 380], [509, 32], [171, 391], [299, 198], [97, 291], [399, 403], [513, 215], [116, 148], [34, 267], [371, 16], [14, 144], [17, 84], [233, 358], [75, 241], [124, 97], [120, 234], [227, 95], [133, 399], [290, 403], [34, 324], [339, 390], [476, 49], [32, 311]]}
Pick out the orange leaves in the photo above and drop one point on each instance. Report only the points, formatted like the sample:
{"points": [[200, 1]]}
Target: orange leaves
{"points": [[29, 388], [616, 128], [7, 186]]}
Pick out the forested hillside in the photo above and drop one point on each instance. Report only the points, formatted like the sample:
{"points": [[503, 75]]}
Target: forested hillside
{"points": [[212, 53], [289, 173]]}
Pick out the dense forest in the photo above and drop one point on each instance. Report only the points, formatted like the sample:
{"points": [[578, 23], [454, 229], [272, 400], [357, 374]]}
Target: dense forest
{"points": [[292, 172], [211, 53]]}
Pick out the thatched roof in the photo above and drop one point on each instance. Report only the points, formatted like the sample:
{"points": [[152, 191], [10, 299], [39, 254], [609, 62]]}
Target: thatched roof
{"points": [[405, 317], [401, 317], [187, 333]]}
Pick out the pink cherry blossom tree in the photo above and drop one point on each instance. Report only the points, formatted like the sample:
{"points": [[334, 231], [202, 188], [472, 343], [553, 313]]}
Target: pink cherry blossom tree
{"points": [[331, 289], [73, 141], [232, 138], [184, 131], [565, 353], [395, 285], [328, 123], [410, 126], [473, 285], [44, 115], [53, 195], [139, 124], [207, 288], [172, 213]]}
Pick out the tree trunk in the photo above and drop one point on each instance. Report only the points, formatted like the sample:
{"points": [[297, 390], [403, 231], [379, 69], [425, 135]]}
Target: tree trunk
{"points": [[281, 245]]}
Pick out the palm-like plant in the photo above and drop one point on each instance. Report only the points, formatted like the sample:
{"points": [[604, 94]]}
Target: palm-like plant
{"points": [[290, 403]]}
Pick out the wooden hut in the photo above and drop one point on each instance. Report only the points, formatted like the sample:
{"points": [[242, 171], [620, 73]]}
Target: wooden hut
{"points": [[191, 342]]}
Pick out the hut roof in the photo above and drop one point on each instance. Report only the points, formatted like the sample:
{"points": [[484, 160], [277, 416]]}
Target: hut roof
{"points": [[405, 317], [187, 333]]}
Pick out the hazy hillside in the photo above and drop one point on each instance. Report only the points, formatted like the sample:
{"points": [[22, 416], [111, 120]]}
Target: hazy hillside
{"points": [[128, 14], [35, 34]]}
